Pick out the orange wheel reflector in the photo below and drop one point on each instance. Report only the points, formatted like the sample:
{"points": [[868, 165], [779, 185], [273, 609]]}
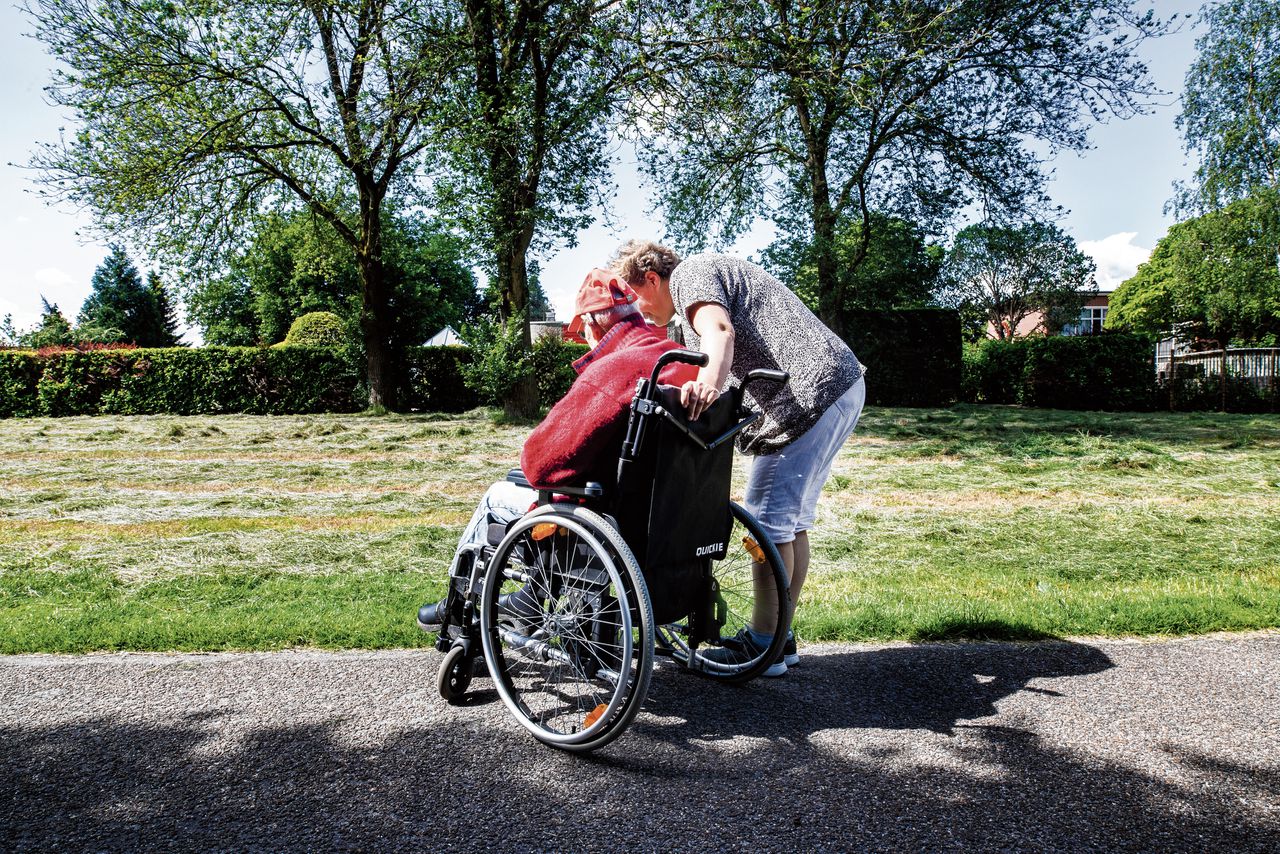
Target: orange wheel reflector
{"points": [[546, 529], [757, 553], [594, 715]]}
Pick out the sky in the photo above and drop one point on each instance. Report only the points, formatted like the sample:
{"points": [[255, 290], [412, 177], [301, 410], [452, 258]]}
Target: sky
{"points": [[1114, 193]]}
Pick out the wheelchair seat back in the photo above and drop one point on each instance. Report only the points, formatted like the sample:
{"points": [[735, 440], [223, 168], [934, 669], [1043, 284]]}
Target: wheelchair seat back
{"points": [[673, 502]]}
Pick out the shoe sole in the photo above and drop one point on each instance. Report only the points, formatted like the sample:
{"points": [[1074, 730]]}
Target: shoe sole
{"points": [[430, 628]]}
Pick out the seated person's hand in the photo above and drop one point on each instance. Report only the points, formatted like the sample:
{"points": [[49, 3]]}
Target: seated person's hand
{"points": [[696, 396]]}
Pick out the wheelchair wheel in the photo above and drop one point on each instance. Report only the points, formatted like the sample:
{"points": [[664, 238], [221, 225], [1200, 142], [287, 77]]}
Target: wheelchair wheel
{"points": [[749, 552], [454, 676], [567, 628]]}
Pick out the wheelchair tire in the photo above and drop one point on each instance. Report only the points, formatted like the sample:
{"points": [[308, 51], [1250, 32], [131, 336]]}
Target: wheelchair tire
{"points": [[572, 655], [737, 594], [454, 676]]}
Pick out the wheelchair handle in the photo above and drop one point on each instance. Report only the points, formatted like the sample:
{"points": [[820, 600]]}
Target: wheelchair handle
{"points": [[689, 357], [768, 375]]}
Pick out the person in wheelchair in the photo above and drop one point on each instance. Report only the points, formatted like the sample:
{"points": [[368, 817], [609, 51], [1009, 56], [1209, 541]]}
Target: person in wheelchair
{"points": [[580, 438]]}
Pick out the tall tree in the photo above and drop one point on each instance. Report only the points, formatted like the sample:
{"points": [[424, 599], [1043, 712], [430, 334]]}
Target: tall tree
{"points": [[1230, 115], [1005, 274], [818, 112], [167, 330], [1215, 276], [194, 116], [121, 307], [899, 270], [296, 263], [524, 125]]}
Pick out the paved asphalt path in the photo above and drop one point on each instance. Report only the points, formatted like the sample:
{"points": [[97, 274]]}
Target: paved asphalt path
{"points": [[1063, 746]]}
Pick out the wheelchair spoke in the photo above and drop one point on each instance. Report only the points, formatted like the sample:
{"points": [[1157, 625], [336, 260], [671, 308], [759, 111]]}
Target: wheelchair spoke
{"points": [[559, 632], [750, 579]]}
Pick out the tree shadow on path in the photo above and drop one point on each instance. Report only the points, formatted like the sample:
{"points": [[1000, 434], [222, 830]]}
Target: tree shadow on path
{"points": [[880, 749]]}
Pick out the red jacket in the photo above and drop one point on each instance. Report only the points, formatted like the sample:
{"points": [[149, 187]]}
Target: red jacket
{"points": [[581, 437]]}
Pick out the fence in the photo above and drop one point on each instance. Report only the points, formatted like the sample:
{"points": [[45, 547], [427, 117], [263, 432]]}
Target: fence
{"points": [[1221, 372]]}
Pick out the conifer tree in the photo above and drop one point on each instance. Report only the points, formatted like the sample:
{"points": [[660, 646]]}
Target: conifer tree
{"points": [[54, 329], [166, 331], [121, 307]]}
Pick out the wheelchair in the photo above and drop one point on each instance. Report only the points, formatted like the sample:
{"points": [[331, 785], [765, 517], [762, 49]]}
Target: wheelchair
{"points": [[567, 607]]}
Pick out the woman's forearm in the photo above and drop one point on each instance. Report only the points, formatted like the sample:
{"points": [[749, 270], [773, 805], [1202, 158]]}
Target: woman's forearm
{"points": [[715, 335], [717, 343]]}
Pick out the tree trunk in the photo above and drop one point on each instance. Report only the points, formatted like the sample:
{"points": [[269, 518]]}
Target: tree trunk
{"points": [[830, 293], [831, 296], [375, 315], [513, 278]]}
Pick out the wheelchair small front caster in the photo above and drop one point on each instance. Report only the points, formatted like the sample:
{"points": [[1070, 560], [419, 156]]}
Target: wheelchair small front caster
{"points": [[455, 674]]}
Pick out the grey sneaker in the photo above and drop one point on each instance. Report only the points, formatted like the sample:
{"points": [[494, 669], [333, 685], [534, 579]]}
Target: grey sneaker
{"points": [[790, 656], [742, 648]]}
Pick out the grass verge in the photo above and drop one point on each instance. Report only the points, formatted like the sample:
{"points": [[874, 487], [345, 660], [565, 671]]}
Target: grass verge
{"points": [[236, 532]]}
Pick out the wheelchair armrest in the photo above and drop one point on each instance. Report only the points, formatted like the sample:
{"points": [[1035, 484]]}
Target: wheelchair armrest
{"points": [[590, 490]]}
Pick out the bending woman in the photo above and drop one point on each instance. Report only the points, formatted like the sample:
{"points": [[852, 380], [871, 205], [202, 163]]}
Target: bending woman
{"points": [[744, 319]]}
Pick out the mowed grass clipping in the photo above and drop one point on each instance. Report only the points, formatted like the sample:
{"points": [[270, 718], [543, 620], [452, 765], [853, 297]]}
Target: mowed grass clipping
{"points": [[238, 532]]}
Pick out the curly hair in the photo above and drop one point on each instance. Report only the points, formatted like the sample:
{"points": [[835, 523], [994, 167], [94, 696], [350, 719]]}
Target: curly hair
{"points": [[637, 257]]}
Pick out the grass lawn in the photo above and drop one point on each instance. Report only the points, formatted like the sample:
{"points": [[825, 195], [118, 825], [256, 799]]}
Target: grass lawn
{"points": [[239, 532]]}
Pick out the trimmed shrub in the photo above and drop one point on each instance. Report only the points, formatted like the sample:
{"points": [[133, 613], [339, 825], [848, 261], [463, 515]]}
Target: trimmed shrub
{"points": [[999, 367], [435, 380], [188, 381], [1114, 371], [19, 374], [1110, 371], [552, 360], [316, 329], [913, 356]]}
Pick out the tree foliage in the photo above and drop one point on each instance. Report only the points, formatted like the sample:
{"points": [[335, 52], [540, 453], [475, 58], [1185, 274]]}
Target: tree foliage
{"points": [[53, 330], [1003, 274], [899, 270], [1215, 277], [1230, 115], [121, 308], [195, 116], [295, 263], [523, 130], [819, 113], [166, 309]]}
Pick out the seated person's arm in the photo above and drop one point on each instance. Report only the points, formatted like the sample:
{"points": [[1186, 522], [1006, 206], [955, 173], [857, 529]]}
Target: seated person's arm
{"points": [[579, 436]]}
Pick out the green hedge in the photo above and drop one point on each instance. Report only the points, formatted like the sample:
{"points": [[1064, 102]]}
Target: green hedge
{"points": [[19, 375], [1192, 390], [188, 381], [913, 356], [180, 381], [1112, 371], [254, 380], [553, 366], [434, 380]]}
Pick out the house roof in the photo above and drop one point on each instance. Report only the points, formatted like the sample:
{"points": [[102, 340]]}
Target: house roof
{"points": [[447, 337]]}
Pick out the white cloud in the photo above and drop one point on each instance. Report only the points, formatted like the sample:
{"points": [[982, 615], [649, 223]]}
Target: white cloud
{"points": [[1116, 256], [22, 292], [52, 277]]}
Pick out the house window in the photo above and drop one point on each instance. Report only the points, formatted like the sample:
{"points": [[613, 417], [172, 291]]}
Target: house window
{"points": [[1090, 322]]}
